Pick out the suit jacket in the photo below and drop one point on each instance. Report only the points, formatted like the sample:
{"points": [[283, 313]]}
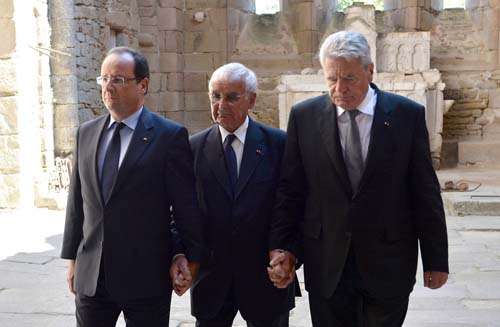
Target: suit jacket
{"points": [[398, 201], [237, 230], [155, 185]]}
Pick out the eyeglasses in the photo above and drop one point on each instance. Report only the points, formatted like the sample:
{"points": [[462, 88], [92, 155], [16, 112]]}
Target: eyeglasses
{"points": [[114, 80], [232, 97]]}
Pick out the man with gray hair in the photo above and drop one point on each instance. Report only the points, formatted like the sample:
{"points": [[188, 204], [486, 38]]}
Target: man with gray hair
{"points": [[358, 182], [237, 166]]}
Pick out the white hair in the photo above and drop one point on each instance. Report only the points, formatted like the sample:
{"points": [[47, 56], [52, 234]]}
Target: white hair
{"points": [[347, 45], [236, 72]]}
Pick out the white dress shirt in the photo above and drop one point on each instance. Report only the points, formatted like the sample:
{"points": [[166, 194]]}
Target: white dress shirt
{"points": [[239, 143], [364, 121], [125, 137]]}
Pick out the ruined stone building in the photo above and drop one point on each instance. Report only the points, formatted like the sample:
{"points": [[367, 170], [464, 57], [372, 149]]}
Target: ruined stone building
{"points": [[51, 50]]}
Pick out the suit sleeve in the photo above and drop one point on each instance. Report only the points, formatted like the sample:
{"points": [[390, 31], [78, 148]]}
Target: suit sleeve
{"points": [[180, 181], [290, 197], [427, 203], [73, 227]]}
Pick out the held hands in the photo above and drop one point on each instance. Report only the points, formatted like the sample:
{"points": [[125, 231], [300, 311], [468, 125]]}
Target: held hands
{"points": [[282, 268], [435, 279], [182, 273]]}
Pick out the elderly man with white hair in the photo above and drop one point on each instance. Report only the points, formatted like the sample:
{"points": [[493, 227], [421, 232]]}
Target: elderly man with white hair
{"points": [[358, 183], [237, 167]]}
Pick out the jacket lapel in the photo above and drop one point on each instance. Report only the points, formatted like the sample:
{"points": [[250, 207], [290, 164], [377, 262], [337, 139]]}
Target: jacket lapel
{"points": [[142, 137], [328, 127], [215, 157], [380, 136], [253, 152], [94, 145]]}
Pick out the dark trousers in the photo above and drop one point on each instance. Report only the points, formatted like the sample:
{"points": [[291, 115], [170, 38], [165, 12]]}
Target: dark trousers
{"points": [[225, 317], [101, 310], [352, 306]]}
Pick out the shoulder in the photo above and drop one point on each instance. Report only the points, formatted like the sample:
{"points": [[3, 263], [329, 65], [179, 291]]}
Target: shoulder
{"points": [[312, 103], [197, 139], [399, 102]]}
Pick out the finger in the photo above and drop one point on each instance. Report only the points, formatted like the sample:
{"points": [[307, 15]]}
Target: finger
{"points": [[438, 280]]}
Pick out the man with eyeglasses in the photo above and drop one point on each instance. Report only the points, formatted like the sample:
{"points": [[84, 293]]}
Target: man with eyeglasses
{"points": [[132, 176], [237, 165], [358, 184]]}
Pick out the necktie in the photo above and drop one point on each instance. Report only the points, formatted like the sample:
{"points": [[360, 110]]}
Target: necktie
{"points": [[111, 162], [353, 156], [231, 164]]}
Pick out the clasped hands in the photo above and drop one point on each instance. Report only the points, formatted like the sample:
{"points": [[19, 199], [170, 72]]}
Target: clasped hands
{"points": [[281, 268], [182, 273]]}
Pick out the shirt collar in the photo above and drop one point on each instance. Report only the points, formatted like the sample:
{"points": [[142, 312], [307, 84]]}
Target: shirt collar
{"points": [[240, 133], [131, 121], [367, 106]]}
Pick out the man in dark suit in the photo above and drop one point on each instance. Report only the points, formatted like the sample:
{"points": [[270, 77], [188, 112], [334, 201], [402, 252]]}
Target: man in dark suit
{"points": [[237, 164], [132, 175], [357, 180]]}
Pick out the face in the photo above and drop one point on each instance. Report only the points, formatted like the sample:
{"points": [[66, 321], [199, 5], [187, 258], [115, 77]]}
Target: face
{"points": [[122, 100], [347, 81], [230, 103]]}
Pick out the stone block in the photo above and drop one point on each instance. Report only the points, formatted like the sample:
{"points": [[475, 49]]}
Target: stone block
{"points": [[154, 82], [147, 11], [305, 41], [174, 82], [9, 148], [470, 105], [65, 137], [149, 21], [244, 5], [152, 102], [117, 20], [172, 101], [197, 4], [196, 101], [9, 191], [146, 39], [7, 77], [206, 41], [66, 115], [179, 4], [171, 41], [8, 115], [177, 116], [8, 44], [171, 62], [305, 20], [195, 82], [170, 19], [146, 3], [198, 62], [7, 7], [479, 152], [62, 93], [153, 61], [219, 59]]}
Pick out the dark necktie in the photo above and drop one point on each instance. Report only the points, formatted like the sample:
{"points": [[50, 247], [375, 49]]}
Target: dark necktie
{"points": [[231, 163], [111, 163], [353, 155]]}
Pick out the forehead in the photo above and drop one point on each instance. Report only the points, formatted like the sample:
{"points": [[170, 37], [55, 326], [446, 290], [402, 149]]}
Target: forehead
{"points": [[226, 85], [118, 64], [343, 66]]}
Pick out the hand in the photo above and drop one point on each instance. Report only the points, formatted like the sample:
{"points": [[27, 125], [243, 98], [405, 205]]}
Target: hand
{"points": [[435, 279], [282, 268], [70, 276], [182, 273]]}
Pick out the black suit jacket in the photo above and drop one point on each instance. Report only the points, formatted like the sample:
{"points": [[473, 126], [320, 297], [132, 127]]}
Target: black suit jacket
{"points": [[237, 230], [155, 184], [397, 204]]}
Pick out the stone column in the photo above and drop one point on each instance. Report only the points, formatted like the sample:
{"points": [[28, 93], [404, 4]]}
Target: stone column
{"points": [[9, 137]]}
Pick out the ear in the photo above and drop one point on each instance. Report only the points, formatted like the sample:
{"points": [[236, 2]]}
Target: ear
{"points": [[370, 70], [144, 85], [252, 98]]}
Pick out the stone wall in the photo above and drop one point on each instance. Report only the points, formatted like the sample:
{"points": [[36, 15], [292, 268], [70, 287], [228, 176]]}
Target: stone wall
{"points": [[9, 141]]}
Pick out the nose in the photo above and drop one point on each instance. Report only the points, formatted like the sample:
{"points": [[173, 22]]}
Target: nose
{"points": [[340, 86]]}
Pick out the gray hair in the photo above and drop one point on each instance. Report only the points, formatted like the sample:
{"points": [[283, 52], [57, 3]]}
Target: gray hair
{"points": [[236, 72], [347, 45]]}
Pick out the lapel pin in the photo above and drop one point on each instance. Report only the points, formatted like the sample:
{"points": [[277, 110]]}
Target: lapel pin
{"points": [[145, 139], [259, 152], [386, 123]]}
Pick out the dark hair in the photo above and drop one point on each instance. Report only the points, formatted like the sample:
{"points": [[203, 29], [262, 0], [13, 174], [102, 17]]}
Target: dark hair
{"points": [[141, 67]]}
